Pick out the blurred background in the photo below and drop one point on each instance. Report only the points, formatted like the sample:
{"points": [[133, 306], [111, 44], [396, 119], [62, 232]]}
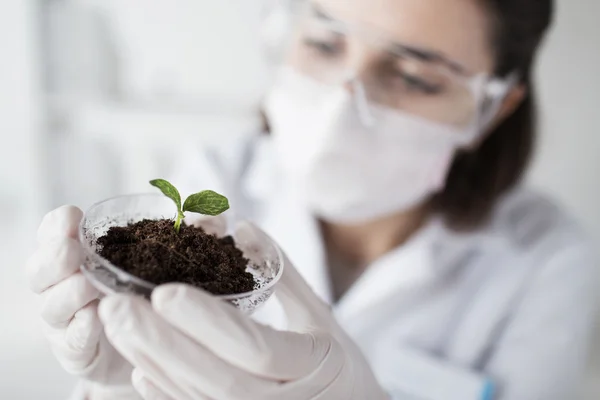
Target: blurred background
{"points": [[98, 96]]}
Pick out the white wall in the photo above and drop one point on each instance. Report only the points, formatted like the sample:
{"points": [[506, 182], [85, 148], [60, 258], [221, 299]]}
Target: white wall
{"points": [[20, 115], [568, 162]]}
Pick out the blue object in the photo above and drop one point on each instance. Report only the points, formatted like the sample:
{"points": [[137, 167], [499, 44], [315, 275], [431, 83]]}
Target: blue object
{"points": [[489, 391]]}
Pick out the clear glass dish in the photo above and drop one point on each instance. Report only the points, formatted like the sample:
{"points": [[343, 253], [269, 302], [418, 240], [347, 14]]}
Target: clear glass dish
{"points": [[266, 262]]}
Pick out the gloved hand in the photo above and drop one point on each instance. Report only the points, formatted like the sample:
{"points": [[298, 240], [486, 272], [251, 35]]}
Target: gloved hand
{"points": [[69, 309], [188, 345]]}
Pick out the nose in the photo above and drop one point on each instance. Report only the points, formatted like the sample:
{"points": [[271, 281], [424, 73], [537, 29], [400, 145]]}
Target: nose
{"points": [[361, 60]]}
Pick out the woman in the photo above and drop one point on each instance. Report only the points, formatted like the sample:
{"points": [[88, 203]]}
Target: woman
{"points": [[399, 132]]}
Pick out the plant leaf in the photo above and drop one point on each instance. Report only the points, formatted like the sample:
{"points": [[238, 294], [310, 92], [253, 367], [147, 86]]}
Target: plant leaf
{"points": [[168, 190], [206, 202]]}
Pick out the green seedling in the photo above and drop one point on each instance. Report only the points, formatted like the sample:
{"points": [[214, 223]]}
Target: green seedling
{"points": [[206, 202]]}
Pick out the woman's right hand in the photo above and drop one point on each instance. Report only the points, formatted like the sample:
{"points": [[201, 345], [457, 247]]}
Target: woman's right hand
{"points": [[69, 309]]}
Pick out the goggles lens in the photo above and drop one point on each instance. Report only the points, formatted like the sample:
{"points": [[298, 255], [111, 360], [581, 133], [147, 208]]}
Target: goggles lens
{"points": [[393, 75]]}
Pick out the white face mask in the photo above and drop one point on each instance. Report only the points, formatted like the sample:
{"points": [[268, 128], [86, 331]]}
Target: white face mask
{"points": [[350, 173]]}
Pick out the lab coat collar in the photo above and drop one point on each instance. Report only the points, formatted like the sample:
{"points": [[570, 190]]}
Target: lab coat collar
{"points": [[432, 254]]}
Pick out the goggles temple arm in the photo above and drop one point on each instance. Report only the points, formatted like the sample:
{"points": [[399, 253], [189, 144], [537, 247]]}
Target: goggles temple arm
{"points": [[495, 93]]}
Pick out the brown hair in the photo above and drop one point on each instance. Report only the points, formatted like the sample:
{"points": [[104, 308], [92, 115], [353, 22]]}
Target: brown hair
{"points": [[478, 177]]}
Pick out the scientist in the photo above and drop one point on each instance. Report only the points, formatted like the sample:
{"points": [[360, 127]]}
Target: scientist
{"points": [[398, 133]]}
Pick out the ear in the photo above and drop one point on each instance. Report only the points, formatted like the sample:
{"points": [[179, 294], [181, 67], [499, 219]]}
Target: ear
{"points": [[511, 102]]}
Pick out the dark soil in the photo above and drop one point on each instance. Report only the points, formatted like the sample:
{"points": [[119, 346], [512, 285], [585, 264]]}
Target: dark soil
{"points": [[154, 252]]}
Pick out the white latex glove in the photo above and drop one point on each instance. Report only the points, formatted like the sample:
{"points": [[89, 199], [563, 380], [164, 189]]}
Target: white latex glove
{"points": [[69, 310], [188, 345]]}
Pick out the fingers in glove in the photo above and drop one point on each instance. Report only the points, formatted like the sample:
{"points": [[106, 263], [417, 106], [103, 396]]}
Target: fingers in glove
{"points": [[63, 300], [76, 346], [239, 340], [84, 330], [54, 261], [173, 361], [61, 222]]}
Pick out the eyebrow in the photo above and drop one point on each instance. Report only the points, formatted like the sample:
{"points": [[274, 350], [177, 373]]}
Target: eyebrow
{"points": [[428, 56], [319, 12]]}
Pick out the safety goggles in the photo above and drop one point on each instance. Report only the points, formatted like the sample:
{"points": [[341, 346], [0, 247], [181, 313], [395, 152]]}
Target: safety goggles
{"points": [[384, 73]]}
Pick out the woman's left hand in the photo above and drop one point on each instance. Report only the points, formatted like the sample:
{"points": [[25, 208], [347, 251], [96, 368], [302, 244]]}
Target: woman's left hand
{"points": [[188, 345]]}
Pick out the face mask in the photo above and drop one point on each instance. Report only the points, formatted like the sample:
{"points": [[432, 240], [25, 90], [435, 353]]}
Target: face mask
{"points": [[351, 168]]}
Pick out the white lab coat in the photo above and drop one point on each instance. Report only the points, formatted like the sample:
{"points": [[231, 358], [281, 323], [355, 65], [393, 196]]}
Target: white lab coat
{"points": [[504, 312]]}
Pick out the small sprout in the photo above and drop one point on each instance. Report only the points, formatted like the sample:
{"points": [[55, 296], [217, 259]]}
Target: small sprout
{"points": [[171, 192], [206, 202]]}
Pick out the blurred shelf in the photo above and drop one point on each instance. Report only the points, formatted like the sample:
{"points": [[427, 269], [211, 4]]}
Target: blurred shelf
{"points": [[152, 121]]}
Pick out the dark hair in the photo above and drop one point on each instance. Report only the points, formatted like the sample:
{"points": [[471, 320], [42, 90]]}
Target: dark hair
{"points": [[479, 177]]}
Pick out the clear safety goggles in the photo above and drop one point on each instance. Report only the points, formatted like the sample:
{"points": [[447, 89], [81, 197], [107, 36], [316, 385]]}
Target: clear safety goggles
{"points": [[381, 72]]}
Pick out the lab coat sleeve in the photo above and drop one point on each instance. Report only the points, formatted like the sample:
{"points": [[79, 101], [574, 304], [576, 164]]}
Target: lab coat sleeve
{"points": [[542, 351]]}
